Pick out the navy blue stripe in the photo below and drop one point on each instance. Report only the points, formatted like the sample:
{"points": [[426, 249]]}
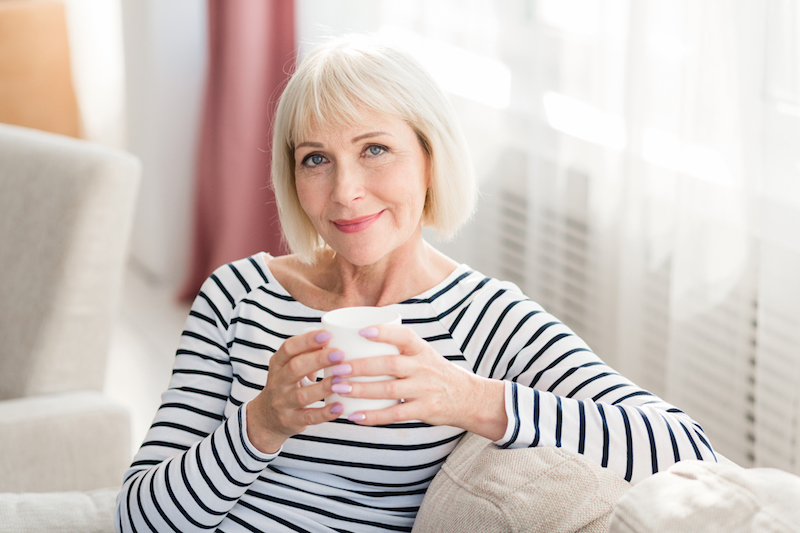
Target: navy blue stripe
{"points": [[241, 279], [610, 389], [192, 334], [214, 308], [697, 453], [229, 438], [631, 395], [628, 442], [581, 427], [208, 481], [535, 418], [604, 462], [478, 320], [501, 353], [675, 453], [278, 315], [497, 324], [569, 372], [139, 502], [258, 269], [201, 316], [284, 297], [651, 436], [352, 464], [194, 495], [574, 391], [554, 364], [559, 416], [177, 503], [441, 292], [260, 326], [517, 419], [224, 290]]}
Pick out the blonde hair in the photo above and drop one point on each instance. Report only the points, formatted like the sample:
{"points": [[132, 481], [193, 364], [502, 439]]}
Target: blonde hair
{"points": [[336, 84]]}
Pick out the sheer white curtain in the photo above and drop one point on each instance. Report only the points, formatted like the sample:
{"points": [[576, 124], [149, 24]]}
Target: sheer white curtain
{"points": [[640, 172]]}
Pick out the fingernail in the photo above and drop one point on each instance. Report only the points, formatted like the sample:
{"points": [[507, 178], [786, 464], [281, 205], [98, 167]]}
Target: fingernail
{"points": [[338, 408], [341, 370], [357, 417], [338, 379], [341, 388], [369, 333], [323, 336], [336, 356]]}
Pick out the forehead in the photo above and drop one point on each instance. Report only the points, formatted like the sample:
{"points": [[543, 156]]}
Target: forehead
{"points": [[344, 132]]}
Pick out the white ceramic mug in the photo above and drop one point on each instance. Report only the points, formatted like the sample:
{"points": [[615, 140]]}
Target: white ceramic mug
{"points": [[344, 324]]}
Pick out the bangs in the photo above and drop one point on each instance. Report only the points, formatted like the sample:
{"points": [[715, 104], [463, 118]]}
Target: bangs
{"points": [[337, 95]]}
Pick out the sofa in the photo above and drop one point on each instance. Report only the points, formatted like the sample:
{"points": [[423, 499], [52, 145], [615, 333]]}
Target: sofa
{"points": [[65, 215], [484, 489], [66, 211]]}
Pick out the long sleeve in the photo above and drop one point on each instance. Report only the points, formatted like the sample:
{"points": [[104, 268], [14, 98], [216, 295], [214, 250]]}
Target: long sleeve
{"points": [[559, 393], [195, 462]]}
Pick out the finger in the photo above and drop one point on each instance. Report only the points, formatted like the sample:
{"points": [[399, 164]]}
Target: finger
{"points": [[389, 389], [305, 396], [317, 415], [401, 412], [404, 338], [308, 365], [299, 344]]}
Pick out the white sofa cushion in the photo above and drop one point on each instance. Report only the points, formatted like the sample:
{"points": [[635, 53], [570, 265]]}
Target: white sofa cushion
{"points": [[58, 512], [694, 496]]}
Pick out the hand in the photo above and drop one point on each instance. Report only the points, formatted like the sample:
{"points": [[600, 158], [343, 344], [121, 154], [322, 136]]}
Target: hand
{"points": [[280, 409], [434, 390]]}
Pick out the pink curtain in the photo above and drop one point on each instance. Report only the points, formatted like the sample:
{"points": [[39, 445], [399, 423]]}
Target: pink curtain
{"points": [[251, 50]]}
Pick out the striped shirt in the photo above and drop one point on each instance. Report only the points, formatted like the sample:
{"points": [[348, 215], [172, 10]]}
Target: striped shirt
{"points": [[198, 471]]}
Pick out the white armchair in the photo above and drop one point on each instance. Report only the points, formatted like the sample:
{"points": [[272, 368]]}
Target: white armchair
{"points": [[66, 209]]}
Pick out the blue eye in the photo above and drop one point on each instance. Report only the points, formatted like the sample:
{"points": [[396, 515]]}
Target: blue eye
{"points": [[313, 160], [376, 149]]}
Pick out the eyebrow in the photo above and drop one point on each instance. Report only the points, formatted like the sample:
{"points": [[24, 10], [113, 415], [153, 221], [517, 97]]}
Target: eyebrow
{"points": [[353, 140]]}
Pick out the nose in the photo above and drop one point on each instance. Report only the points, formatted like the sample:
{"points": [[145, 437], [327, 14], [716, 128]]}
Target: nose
{"points": [[348, 184]]}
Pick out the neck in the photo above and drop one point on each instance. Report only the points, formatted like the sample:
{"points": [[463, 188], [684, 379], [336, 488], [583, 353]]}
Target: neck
{"points": [[407, 272]]}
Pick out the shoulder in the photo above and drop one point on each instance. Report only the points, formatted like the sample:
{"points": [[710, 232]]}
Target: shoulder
{"points": [[229, 283], [468, 286]]}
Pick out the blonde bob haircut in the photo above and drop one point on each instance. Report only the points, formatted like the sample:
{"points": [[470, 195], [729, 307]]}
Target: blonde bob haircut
{"points": [[334, 86]]}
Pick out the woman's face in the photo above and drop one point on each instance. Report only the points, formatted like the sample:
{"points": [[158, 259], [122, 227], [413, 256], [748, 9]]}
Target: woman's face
{"points": [[364, 187]]}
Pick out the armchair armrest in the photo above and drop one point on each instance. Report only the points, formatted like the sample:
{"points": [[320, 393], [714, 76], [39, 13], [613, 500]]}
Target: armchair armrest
{"points": [[86, 443]]}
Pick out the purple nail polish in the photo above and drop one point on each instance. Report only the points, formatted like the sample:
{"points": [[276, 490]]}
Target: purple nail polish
{"points": [[341, 370], [338, 408], [336, 356], [338, 379], [357, 417], [369, 333], [323, 336], [341, 388]]}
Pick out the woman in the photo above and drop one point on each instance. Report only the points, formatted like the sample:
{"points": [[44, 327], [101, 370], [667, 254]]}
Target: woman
{"points": [[367, 151]]}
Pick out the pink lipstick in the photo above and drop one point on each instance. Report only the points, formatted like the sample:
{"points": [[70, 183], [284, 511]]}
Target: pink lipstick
{"points": [[354, 225]]}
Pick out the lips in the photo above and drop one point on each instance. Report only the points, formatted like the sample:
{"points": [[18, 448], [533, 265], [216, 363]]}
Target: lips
{"points": [[354, 225]]}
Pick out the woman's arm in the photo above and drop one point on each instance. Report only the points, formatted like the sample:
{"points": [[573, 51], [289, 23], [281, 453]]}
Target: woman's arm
{"points": [[535, 383], [194, 464], [559, 393]]}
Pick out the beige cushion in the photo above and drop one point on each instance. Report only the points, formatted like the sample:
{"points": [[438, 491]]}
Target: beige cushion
{"points": [[58, 512], [694, 496], [484, 488]]}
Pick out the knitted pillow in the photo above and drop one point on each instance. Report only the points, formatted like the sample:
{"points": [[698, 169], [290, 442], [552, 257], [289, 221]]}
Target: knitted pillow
{"points": [[549, 490]]}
